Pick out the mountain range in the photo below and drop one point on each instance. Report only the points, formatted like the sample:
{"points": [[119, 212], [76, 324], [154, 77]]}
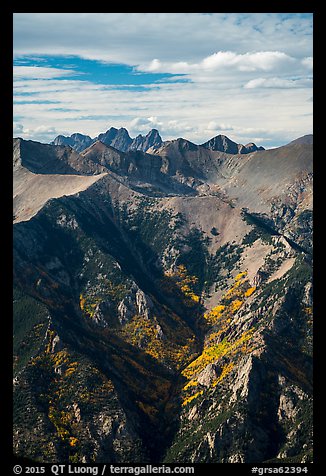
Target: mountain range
{"points": [[162, 300], [117, 138], [120, 139]]}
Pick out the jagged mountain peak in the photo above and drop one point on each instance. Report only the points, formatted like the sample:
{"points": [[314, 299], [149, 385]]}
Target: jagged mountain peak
{"points": [[179, 143], [117, 138], [153, 132], [109, 134], [143, 143], [76, 140], [78, 135], [223, 143], [121, 140], [154, 135]]}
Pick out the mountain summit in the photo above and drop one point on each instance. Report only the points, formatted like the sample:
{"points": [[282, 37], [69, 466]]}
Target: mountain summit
{"points": [[152, 139], [77, 141], [117, 138], [224, 144]]}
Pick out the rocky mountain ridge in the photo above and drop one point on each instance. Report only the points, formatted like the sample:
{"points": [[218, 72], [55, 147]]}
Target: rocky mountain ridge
{"points": [[306, 139], [162, 304], [120, 139], [224, 144], [117, 138]]}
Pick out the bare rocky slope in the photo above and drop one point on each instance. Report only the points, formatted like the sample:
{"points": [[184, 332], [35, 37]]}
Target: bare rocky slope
{"points": [[162, 304]]}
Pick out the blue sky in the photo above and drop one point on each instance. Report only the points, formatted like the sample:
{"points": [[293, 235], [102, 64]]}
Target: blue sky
{"points": [[120, 75], [191, 75]]}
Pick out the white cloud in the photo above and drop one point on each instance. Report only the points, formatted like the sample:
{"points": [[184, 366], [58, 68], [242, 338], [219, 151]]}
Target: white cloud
{"points": [[40, 72], [230, 69], [154, 66], [308, 62], [17, 128], [219, 61], [196, 111], [243, 71], [144, 122], [40, 133], [278, 83], [135, 38], [214, 126], [260, 61]]}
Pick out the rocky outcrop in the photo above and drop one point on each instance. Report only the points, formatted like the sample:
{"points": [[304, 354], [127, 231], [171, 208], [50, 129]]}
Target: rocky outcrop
{"points": [[136, 303], [99, 316], [209, 374], [308, 294]]}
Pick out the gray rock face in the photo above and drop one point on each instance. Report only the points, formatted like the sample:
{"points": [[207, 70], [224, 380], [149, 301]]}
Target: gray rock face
{"points": [[159, 332], [286, 408], [292, 400], [108, 136], [209, 374], [99, 315], [135, 303], [56, 344], [121, 141], [76, 411], [125, 310], [152, 139], [117, 138], [307, 297], [144, 303]]}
